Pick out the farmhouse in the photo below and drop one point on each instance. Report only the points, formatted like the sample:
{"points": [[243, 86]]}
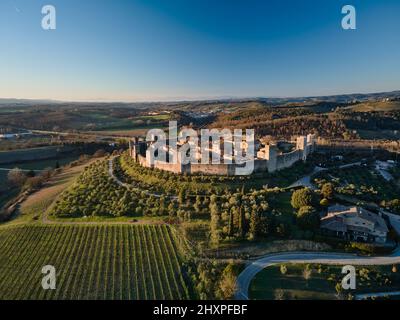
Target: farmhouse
{"points": [[354, 223]]}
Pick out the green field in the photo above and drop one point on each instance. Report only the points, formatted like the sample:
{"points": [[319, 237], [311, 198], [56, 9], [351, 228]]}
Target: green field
{"points": [[107, 123], [41, 164], [92, 262], [38, 165], [266, 283], [376, 106], [7, 157], [270, 283]]}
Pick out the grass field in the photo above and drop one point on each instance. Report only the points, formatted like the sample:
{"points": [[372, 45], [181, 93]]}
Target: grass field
{"points": [[271, 283], [267, 282], [7, 157], [7, 194], [41, 164], [376, 106], [92, 262]]}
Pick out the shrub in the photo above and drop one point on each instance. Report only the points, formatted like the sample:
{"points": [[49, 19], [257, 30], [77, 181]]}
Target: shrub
{"points": [[302, 198], [308, 218]]}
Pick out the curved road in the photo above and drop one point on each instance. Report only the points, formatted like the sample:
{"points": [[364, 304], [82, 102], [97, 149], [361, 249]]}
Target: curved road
{"points": [[244, 279]]}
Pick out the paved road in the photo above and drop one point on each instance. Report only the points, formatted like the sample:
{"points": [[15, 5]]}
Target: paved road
{"points": [[306, 181], [244, 279], [23, 170], [394, 220], [385, 174], [376, 295]]}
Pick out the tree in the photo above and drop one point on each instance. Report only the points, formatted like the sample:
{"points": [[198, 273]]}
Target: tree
{"points": [[255, 225], [215, 224], [307, 272], [227, 284], [279, 294], [301, 198], [181, 197], [340, 295], [242, 222], [161, 209], [171, 210], [324, 202], [16, 177], [197, 204], [327, 190], [308, 218], [34, 182], [30, 174], [392, 205], [231, 225], [283, 269]]}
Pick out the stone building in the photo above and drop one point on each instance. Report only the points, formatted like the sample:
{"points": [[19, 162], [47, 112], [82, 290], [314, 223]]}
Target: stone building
{"points": [[354, 223], [269, 158]]}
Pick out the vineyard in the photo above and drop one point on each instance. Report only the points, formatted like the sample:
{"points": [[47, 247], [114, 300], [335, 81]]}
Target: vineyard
{"points": [[93, 262]]}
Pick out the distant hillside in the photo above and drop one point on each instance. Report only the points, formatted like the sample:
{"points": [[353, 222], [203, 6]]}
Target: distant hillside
{"points": [[221, 103], [377, 106], [24, 102]]}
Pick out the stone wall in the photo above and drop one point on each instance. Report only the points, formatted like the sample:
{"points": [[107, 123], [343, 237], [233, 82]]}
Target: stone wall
{"points": [[286, 160], [212, 169], [171, 167], [268, 159]]}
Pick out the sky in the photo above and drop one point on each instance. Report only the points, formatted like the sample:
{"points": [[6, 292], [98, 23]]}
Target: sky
{"points": [[148, 50]]}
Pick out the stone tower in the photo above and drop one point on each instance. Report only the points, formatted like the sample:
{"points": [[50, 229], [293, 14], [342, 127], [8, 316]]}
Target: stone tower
{"points": [[271, 154], [310, 143], [134, 148], [301, 145]]}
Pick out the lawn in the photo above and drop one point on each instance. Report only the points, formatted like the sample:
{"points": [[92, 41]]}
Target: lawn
{"points": [[271, 284], [281, 202]]}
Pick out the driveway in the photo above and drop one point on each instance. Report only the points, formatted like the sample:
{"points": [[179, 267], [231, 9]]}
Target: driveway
{"points": [[306, 181]]}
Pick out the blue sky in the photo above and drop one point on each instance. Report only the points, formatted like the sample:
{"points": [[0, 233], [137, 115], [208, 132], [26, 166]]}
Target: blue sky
{"points": [[109, 50]]}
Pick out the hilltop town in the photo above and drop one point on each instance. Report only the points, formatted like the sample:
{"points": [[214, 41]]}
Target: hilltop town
{"points": [[268, 157], [325, 178]]}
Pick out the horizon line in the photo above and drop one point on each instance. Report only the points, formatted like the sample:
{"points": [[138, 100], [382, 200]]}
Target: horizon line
{"points": [[196, 99]]}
